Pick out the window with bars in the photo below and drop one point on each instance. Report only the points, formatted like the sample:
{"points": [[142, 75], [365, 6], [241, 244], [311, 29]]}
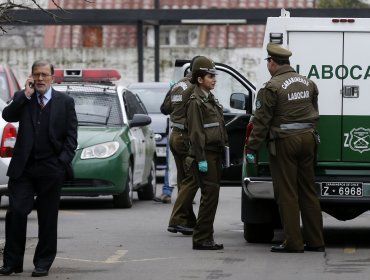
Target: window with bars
{"points": [[174, 36]]}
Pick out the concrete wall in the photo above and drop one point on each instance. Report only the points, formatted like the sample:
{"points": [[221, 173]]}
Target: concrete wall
{"points": [[125, 60]]}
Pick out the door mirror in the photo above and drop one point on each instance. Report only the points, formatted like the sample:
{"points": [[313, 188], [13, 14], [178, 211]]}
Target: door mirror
{"points": [[239, 101], [140, 120]]}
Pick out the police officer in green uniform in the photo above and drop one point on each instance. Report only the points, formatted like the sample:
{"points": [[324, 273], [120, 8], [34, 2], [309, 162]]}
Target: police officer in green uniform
{"points": [[207, 135], [182, 218], [286, 116]]}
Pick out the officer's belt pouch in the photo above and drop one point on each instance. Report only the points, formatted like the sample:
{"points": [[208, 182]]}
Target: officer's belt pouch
{"points": [[188, 163], [316, 136], [271, 146]]}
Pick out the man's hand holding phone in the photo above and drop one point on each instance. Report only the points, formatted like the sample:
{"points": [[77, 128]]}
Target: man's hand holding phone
{"points": [[30, 87]]}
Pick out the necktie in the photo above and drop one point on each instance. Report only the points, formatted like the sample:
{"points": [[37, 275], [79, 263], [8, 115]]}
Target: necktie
{"points": [[41, 101]]}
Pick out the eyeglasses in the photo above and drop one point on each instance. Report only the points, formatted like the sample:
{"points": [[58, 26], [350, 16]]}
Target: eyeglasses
{"points": [[268, 59], [42, 75]]}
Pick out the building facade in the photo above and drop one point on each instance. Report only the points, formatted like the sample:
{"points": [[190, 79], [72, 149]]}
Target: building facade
{"points": [[116, 46]]}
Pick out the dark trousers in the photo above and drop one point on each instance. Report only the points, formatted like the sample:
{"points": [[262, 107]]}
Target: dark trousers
{"points": [[182, 213], [209, 184], [43, 179], [210, 191], [292, 171], [179, 149]]}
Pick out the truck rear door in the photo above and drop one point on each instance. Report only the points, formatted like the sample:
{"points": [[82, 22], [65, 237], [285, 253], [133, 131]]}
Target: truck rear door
{"points": [[356, 98], [336, 62]]}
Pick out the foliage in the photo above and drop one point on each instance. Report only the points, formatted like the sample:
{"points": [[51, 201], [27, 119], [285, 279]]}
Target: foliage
{"points": [[341, 4]]}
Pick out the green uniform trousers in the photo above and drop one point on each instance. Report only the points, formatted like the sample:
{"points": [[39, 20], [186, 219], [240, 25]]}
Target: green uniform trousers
{"points": [[209, 184], [182, 213], [293, 176]]}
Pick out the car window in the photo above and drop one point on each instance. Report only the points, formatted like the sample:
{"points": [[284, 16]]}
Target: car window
{"points": [[142, 106], [4, 89], [96, 108], [151, 97], [2, 105], [132, 104], [226, 84], [14, 80]]}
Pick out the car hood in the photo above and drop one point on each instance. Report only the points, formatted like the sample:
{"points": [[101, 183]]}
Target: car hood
{"points": [[89, 136], [159, 123]]}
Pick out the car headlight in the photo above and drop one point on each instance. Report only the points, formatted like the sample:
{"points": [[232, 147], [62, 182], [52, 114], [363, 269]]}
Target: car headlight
{"points": [[157, 137], [103, 150]]}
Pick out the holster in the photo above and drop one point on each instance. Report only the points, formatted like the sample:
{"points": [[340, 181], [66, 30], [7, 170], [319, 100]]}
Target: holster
{"points": [[188, 163], [271, 144], [190, 166], [316, 136]]}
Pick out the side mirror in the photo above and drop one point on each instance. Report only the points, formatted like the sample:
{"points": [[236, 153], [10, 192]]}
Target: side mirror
{"points": [[140, 120], [239, 101]]}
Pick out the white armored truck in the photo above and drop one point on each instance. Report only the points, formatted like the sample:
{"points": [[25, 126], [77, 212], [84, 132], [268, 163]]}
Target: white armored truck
{"points": [[333, 52]]}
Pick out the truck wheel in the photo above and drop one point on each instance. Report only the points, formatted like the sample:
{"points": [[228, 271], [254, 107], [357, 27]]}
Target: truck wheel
{"points": [[147, 192], [258, 233], [125, 199]]}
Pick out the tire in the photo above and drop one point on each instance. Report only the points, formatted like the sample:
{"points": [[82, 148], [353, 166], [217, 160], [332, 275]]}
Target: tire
{"points": [[148, 191], [258, 233], [125, 199]]}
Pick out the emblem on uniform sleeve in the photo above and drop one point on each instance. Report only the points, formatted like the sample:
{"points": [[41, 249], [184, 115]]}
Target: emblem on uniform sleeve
{"points": [[183, 85], [258, 104], [176, 98], [359, 140]]}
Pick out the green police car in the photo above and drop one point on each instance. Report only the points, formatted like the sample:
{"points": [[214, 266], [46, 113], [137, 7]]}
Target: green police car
{"points": [[116, 147]]}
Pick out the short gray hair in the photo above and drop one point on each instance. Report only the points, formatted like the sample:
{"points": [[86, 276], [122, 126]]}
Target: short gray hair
{"points": [[43, 62]]}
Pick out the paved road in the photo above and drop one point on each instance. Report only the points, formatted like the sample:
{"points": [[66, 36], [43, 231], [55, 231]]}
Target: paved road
{"points": [[97, 241]]}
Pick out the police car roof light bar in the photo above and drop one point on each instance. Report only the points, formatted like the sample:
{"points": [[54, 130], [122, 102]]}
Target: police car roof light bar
{"points": [[343, 20], [86, 75]]}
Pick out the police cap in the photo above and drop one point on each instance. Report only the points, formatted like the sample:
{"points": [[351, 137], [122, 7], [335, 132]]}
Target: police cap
{"points": [[278, 52], [205, 64]]}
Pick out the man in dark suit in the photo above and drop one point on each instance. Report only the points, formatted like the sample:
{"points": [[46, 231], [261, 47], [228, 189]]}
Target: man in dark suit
{"points": [[45, 147]]}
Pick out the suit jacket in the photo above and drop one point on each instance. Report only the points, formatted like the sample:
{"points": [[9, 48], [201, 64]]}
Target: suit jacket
{"points": [[62, 129]]}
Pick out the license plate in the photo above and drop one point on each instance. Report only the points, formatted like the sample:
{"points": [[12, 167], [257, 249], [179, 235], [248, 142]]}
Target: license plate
{"points": [[345, 189], [161, 151]]}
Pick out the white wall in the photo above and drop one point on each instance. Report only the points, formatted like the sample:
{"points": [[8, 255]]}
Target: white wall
{"points": [[125, 60]]}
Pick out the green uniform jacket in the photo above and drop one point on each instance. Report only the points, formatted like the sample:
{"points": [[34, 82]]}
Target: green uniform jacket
{"points": [[176, 99], [287, 98], [206, 125]]}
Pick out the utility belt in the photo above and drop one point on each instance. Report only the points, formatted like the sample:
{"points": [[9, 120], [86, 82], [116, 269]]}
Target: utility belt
{"points": [[179, 127], [296, 126], [183, 128], [208, 125], [290, 126]]}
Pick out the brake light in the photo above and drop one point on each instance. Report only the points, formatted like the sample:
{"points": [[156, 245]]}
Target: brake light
{"points": [[248, 131], [86, 75], [8, 141]]}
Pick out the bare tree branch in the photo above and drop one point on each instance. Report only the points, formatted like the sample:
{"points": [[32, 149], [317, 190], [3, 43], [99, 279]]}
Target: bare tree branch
{"points": [[8, 5]]}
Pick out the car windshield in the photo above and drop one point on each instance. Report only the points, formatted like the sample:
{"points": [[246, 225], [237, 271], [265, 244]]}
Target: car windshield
{"points": [[97, 108], [152, 97]]}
